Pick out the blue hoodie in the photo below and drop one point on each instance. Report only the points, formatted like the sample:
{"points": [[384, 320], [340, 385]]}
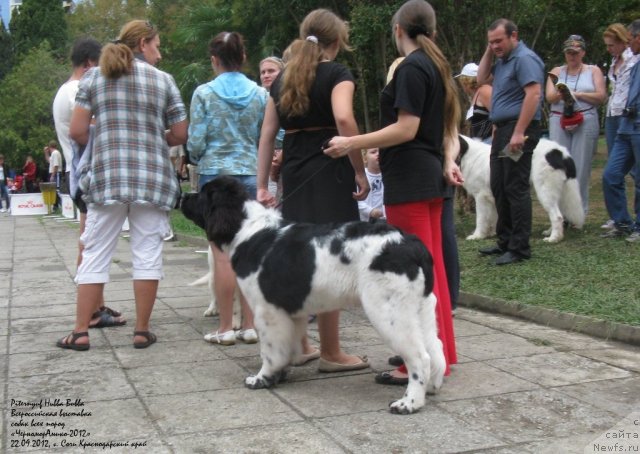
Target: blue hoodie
{"points": [[226, 117]]}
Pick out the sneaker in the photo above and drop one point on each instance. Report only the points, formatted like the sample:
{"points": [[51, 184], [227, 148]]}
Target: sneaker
{"points": [[615, 233], [169, 236], [227, 338], [608, 225], [634, 237], [248, 336], [3, 210]]}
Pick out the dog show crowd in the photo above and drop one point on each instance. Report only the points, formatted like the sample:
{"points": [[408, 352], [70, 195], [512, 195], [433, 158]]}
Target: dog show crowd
{"points": [[293, 145]]}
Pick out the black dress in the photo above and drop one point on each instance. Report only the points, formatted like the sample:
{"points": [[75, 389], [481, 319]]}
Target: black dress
{"points": [[315, 187]]}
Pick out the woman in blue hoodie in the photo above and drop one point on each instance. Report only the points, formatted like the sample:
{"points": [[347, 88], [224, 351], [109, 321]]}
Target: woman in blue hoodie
{"points": [[226, 117]]}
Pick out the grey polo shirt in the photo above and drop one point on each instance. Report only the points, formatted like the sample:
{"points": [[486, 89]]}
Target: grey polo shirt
{"points": [[510, 75]]}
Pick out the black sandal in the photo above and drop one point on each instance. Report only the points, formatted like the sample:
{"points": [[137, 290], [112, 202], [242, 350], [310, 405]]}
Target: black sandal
{"points": [[111, 312], [385, 378], [71, 344], [151, 339], [106, 319]]}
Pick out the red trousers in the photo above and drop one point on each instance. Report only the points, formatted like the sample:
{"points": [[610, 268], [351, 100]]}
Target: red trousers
{"points": [[424, 219]]}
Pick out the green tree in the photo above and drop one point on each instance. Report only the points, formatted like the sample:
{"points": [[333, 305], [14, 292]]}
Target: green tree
{"points": [[37, 21], [103, 19], [26, 95], [6, 51]]}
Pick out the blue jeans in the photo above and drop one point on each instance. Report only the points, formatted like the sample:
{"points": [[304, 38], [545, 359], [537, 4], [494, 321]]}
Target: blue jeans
{"points": [[610, 131], [249, 182], [4, 195], [624, 156]]}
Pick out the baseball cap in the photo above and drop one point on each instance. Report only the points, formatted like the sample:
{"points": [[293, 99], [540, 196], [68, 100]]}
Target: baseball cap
{"points": [[469, 70], [575, 43]]}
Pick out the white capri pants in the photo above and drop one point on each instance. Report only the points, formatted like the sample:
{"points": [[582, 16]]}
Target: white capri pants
{"points": [[148, 225]]}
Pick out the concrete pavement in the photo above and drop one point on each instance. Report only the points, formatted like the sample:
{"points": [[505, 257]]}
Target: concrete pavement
{"points": [[518, 388]]}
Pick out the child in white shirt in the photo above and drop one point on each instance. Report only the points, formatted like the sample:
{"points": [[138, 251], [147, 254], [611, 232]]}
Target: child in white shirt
{"points": [[373, 206]]}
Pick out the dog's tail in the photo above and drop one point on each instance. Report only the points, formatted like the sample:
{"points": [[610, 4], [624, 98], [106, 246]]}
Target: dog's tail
{"points": [[204, 280], [570, 200]]}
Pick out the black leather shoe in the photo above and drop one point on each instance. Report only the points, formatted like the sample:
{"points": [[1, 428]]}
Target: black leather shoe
{"points": [[491, 250], [509, 257]]}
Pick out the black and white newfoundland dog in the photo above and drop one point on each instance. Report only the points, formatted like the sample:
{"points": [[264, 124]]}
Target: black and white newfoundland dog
{"points": [[553, 176], [290, 270]]}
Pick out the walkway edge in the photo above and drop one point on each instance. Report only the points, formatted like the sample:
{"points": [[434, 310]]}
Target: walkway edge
{"points": [[554, 318]]}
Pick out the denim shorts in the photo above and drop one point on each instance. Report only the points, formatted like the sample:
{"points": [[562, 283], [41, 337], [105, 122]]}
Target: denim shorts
{"points": [[249, 182]]}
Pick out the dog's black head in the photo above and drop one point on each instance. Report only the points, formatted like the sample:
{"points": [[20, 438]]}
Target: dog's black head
{"points": [[218, 209]]}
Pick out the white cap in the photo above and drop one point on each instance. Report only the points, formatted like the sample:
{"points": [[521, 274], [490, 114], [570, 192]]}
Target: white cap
{"points": [[470, 70]]}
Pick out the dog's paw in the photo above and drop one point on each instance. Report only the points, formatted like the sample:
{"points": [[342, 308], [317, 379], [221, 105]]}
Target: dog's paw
{"points": [[262, 382], [256, 382], [474, 236], [552, 239], [211, 311], [432, 390], [403, 406]]}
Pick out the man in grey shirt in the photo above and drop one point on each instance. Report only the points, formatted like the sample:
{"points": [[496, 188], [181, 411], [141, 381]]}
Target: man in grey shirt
{"points": [[517, 77]]}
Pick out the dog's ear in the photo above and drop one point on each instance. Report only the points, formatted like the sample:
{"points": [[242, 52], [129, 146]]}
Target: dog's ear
{"points": [[224, 209]]}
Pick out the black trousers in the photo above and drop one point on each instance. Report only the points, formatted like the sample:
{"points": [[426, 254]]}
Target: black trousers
{"points": [[450, 251], [511, 189]]}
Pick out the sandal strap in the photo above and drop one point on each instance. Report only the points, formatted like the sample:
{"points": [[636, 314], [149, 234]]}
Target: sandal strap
{"points": [[71, 338], [145, 334]]}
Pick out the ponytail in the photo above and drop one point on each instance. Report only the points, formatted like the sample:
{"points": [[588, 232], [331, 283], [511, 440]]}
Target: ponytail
{"points": [[297, 81], [116, 60]]}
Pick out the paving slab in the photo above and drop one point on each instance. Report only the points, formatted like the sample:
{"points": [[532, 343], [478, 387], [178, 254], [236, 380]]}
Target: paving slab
{"points": [[518, 387]]}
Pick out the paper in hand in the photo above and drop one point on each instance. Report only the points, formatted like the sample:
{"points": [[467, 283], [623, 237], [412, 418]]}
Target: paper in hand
{"points": [[506, 152]]}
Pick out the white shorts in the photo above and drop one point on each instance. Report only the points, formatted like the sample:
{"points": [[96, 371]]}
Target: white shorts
{"points": [[148, 226]]}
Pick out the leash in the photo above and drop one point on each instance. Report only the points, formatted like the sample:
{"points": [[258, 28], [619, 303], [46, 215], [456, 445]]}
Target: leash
{"points": [[324, 145], [302, 184]]}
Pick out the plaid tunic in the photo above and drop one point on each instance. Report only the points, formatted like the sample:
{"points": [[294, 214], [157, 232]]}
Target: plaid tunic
{"points": [[130, 159]]}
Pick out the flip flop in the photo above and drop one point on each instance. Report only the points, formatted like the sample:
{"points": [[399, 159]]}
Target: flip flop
{"points": [[385, 378], [328, 366], [70, 344], [106, 320], [151, 339]]}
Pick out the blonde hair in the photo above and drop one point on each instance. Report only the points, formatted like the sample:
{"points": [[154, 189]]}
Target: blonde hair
{"points": [[418, 19], [618, 32], [275, 60], [318, 31], [468, 82], [117, 57]]}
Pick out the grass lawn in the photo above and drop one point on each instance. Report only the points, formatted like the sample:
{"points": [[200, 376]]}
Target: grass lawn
{"points": [[584, 274]]}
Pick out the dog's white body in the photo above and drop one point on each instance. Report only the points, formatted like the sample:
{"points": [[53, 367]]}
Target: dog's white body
{"points": [[288, 271], [556, 187], [212, 310]]}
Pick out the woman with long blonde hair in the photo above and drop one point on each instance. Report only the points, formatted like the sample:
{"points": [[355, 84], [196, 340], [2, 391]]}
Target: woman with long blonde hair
{"points": [[312, 100], [420, 114]]}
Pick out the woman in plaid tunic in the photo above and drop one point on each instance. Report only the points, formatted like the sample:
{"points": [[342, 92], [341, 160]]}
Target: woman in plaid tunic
{"points": [[130, 173]]}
